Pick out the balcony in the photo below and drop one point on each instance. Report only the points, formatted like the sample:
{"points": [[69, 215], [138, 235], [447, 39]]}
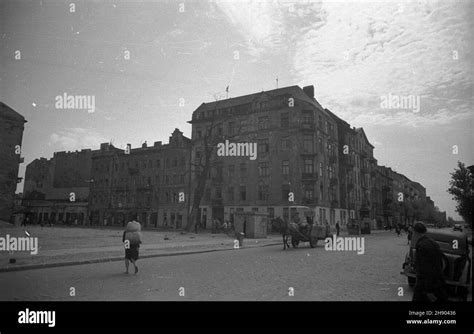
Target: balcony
{"points": [[333, 159], [309, 176], [334, 203], [333, 181], [308, 126]]}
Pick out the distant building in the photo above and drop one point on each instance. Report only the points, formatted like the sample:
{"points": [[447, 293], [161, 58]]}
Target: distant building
{"points": [[365, 169], [382, 196], [11, 135], [149, 182], [57, 190], [356, 170]]}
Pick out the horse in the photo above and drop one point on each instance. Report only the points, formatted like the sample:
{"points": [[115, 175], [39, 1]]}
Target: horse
{"points": [[282, 227]]}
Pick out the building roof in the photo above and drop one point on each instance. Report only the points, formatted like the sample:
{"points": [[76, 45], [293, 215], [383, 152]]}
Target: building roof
{"points": [[296, 92], [339, 120], [361, 130], [7, 112]]}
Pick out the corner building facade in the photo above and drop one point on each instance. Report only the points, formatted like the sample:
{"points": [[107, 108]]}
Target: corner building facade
{"points": [[296, 156]]}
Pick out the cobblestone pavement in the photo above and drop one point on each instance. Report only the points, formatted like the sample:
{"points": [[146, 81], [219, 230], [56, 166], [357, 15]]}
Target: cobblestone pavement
{"points": [[264, 273], [69, 244]]}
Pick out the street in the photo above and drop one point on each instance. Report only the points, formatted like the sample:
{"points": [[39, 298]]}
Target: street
{"points": [[263, 273]]}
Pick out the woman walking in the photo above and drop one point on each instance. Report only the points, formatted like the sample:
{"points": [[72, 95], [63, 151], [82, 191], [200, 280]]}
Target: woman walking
{"points": [[132, 240]]}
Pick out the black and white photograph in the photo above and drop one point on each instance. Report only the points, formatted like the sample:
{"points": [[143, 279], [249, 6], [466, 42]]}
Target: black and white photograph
{"points": [[237, 151]]}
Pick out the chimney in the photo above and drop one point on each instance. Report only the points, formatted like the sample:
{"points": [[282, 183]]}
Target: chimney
{"points": [[309, 90], [104, 146], [144, 145], [157, 144]]}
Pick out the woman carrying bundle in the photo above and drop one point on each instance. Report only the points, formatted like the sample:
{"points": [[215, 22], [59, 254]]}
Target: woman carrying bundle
{"points": [[132, 240]]}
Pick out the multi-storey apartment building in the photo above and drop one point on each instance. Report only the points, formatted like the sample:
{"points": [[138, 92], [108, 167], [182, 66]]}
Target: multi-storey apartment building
{"points": [[11, 135], [382, 196], [150, 183], [348, 172], [365, 164], [296, 162], [356, 170]]}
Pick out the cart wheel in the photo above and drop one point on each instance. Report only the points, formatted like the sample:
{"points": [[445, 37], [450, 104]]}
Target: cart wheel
{"points": [[411, 281], [294, 243], [313, 242]]}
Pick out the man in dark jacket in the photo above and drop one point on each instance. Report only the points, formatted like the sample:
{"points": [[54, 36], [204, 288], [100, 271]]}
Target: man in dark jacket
{"points": [[430, 283]]}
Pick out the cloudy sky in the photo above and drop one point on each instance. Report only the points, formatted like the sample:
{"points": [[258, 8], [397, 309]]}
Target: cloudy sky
{"points": [[149, 64]]}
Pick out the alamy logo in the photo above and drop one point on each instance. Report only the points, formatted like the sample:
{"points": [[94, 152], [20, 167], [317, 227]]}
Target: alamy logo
{"points": [[37, 317], [345, 244], [66, 101], [15, 244], [400, 102], [237, 150]]}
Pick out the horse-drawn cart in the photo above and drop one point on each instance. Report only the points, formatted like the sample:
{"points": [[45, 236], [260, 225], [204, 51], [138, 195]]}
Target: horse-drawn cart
{"points": [[311, 235], [303, 227]]}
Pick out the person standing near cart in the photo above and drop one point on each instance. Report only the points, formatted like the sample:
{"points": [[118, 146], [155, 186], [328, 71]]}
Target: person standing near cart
{"points": [[430, 283]]}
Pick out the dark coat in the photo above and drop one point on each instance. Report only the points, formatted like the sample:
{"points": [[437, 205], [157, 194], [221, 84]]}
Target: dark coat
{"points": [[429, 258], [429, 271]]}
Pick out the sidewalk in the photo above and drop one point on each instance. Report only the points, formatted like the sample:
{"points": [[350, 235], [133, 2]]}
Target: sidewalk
{"points": [[63, 246]]}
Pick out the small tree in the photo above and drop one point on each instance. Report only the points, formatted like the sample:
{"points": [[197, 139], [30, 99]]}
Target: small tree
{"points": [[202, 164], [461, 187]]}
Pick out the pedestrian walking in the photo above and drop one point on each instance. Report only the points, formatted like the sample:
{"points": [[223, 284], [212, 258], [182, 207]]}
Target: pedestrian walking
{"points": [[397, 229], [430, 283], [214, 225], [132, 239], [338, 228], [224, 226], [409, 234]]}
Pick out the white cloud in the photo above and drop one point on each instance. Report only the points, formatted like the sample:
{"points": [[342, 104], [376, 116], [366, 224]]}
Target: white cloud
{"points": [[365, 50], [71, 139]]}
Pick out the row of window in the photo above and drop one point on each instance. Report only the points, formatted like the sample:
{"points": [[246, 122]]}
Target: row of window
{"points": [[264, 169], [139, 199], [143, 164], [142, 181], [240, 126], [263, 193], [286, 214], [276, 102]]}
